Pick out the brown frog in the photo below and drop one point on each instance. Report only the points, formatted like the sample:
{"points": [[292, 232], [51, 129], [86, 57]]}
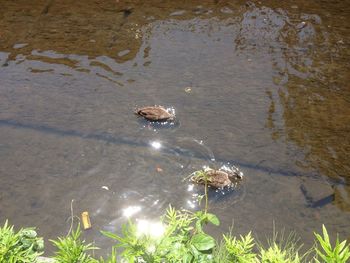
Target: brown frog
{"points": [[155, 113], [217, 178]]}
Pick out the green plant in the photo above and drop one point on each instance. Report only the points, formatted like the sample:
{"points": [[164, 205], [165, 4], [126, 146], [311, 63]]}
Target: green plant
{"points": [[276, 254], [21, 247], [280, 250], [239, 250], [340, 253], [179, 236], [112, 258], [71, 249], [202, 176], [182, 239]]}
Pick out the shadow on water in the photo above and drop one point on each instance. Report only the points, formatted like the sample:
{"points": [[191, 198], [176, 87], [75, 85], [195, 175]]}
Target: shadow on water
{"points": [[105, 137], [217, 196]]}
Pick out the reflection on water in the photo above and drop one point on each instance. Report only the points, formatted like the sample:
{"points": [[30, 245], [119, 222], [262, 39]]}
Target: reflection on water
{"points": [[264, 86], [131, 210], [156, 145], [152, 229]]}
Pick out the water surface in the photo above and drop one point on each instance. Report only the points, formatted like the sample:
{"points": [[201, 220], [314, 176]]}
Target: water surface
{"points": [[264, 86]]}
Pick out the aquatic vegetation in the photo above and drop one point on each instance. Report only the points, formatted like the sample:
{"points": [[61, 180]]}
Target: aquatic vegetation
{"points": [[19, 247], [340, 253], [183, 239], [238, 250], [180, 237], [72, 249], [280, 249]]}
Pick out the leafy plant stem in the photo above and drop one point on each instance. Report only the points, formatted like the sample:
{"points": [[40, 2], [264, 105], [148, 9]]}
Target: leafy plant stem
{"points": [[206, 195]]}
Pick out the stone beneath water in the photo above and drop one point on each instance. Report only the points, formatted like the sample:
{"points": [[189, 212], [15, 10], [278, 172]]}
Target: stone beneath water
{"points": [[317, 193]]}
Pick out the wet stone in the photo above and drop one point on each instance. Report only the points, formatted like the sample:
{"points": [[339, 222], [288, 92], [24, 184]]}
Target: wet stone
{"points": [[317, 193]]}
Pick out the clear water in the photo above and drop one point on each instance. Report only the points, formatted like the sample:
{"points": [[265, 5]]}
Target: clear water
{"points": [[263, 86]]}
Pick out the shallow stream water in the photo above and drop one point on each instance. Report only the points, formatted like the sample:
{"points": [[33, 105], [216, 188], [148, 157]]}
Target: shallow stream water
{"points": [[260, 85]]}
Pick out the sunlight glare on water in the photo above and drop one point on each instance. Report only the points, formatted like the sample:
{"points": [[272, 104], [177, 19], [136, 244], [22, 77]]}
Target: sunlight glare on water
{"points": [[150, 228], [131, 211], [156, 145]]}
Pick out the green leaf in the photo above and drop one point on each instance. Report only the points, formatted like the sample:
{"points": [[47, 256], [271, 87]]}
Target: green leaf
{"points": [[325, 234], [203, 242], [213, 219], [29, 233], [199, 226], [187, 258], [111, 235]]}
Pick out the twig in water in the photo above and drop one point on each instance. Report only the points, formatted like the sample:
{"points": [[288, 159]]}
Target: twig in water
{"points": [[71, 218]]}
